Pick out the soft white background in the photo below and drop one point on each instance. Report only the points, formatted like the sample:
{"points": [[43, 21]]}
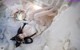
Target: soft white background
{"points": [[63, 34]]}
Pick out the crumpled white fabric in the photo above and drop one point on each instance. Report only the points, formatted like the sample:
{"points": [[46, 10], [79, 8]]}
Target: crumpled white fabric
{"points": [[11, 30]]}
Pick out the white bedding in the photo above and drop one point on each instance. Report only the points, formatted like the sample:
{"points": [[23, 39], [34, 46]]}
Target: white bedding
{"points": [[63, 34]]}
